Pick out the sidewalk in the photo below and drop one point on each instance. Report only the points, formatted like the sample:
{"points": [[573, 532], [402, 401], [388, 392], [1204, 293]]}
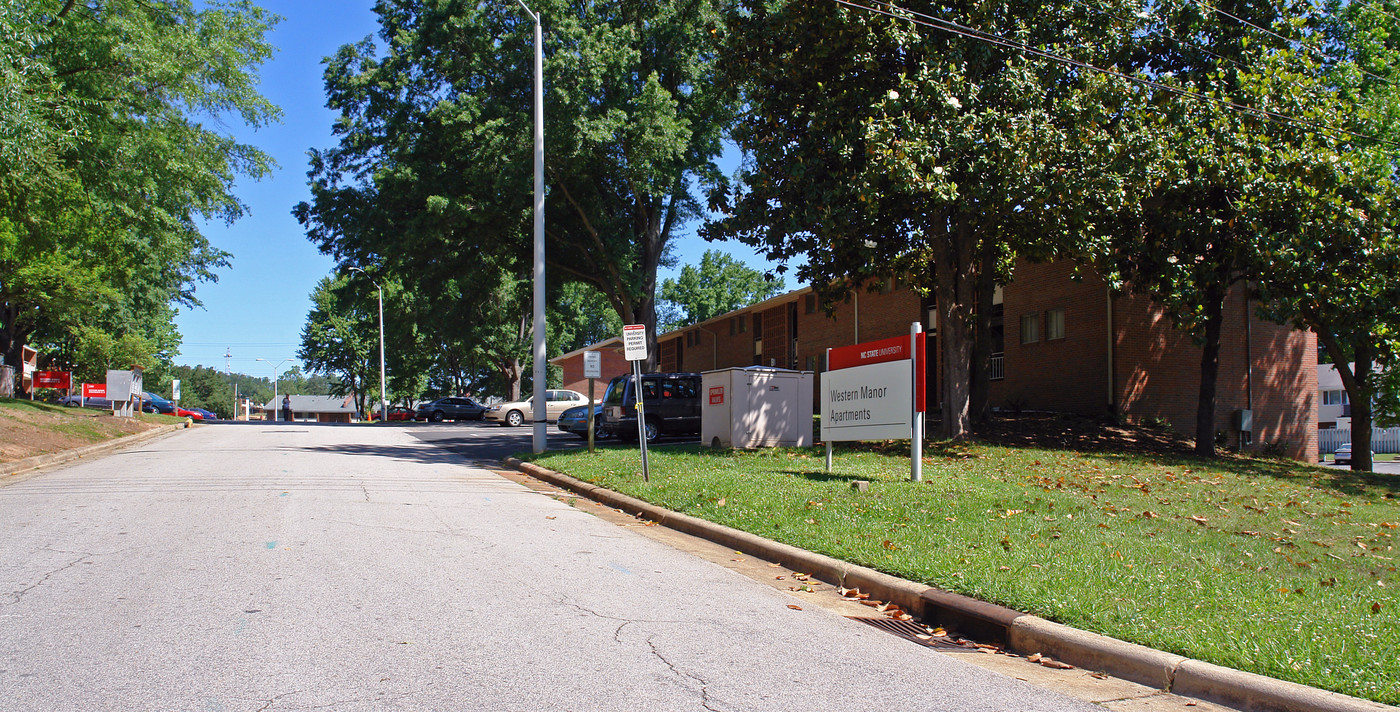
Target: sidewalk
{"points": [[1018, 632]]}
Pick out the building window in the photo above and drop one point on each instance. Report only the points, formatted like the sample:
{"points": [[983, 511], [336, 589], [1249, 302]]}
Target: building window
{"points": [[810, 303], [1054, 324], [1030, 328], [1334, 397], [811, 363], [743, 323]]}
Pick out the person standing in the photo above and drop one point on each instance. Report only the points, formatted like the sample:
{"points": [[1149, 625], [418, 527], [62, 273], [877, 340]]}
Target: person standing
{"points": [[287, 408]]}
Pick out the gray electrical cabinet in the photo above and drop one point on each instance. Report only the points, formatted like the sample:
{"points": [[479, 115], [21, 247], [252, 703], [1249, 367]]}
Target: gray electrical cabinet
{"points": [[756, 406]]}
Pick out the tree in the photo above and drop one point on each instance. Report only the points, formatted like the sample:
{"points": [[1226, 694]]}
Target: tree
{"points": [[436, 141], [1332, 263], [340, 340], [880, 149], [720, 284], [107, 162]]}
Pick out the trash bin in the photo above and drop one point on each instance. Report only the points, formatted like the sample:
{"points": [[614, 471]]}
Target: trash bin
{"points": [[756, 406]]}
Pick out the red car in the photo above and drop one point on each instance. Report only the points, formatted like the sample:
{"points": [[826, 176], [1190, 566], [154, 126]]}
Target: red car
{"points": [[181, 412], [397, 412]]}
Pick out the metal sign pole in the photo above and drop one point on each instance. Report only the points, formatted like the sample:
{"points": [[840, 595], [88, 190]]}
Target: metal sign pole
{"points": [[641, 419], [916, 472], [590, 416], [827, 366]]}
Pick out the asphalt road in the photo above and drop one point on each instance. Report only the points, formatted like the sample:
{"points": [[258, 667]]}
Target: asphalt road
{"points": [[294, 567]]}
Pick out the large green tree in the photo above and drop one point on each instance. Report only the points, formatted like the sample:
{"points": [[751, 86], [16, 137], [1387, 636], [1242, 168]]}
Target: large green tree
{"points": [[107, 160], [1331, 206], [435, 157], [340, 340], [717, 285], [880, 147]]}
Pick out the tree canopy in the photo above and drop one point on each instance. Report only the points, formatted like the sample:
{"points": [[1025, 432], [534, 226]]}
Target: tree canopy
{"points": [[717, 285], [107, 164], [434, 160]]}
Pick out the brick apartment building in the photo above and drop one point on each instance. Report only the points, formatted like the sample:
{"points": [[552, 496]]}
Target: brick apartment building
{"points": [[1062, 344]]}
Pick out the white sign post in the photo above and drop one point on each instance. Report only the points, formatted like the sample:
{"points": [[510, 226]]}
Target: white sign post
{"points": [[592, 369], [874, 391], [634, 348], [175, 390]]}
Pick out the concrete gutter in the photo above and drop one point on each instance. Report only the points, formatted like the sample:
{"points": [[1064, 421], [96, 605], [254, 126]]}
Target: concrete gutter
{"points": [[57, 458], [1018, 632]]}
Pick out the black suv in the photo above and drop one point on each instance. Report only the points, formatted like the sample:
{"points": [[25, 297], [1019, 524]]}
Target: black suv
{"points": [[671, 402], [455, 408]]}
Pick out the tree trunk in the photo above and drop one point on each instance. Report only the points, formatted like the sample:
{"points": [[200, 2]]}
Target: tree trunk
{"points": [[953, 268], [980, 405], [1210, 368], [1361, 404]]}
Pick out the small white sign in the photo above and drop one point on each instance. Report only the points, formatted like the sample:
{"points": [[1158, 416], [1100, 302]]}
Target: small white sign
{"points": [[593, 363], [634, 342], [175, 389]]}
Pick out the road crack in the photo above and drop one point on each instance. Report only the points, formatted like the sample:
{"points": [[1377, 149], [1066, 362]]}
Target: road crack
{"points": [[704, 684], [21, 593]]}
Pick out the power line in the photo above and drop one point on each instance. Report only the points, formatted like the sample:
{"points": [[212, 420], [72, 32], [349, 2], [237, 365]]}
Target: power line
{"points": [[1318, 51], [951, 27]]}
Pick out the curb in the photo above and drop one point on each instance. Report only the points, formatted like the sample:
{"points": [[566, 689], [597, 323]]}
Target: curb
{"points": [[10, 469], [1019, 632]]}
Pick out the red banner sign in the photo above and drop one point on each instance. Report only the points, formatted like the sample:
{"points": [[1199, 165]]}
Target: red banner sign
{"points": [[53, 379], [716, 395], [882, 351], [94, 390]]}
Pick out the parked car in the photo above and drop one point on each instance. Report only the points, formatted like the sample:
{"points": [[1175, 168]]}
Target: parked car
{"points": [[153, 403], [397, 412], [515, 413], [671, 402], [575, 420], [206, 413], [188, 413], [76, 401], [451, 408], [1343, 455]]}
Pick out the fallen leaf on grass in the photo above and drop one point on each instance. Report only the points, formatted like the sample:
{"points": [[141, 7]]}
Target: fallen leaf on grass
{"points": [[1199, 519]]}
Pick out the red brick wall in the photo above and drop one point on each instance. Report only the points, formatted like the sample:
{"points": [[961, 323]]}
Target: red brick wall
{"points": [[1069, 374], [1157, 373], [613, 365]]}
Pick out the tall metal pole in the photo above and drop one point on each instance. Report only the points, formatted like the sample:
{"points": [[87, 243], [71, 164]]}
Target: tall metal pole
{"points": [[540, 436], [383, 381]]}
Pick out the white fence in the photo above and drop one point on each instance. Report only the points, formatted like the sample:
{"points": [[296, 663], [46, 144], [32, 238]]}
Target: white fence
{"points": [[1382, 439]]}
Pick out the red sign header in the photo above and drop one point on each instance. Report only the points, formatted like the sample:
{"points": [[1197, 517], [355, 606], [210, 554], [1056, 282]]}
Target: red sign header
{"points": [[94, 390], [53, 379], [883, 351]]}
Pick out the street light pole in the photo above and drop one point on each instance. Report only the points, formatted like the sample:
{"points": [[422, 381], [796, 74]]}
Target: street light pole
{"points": [[540, 436], [274, 385], [383, 397]]}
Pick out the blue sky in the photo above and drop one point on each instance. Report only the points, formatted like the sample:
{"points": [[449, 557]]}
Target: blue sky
{"points": [[259, 305]]}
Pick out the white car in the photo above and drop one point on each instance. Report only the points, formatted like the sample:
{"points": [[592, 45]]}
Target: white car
{"points": [[517, 413]]}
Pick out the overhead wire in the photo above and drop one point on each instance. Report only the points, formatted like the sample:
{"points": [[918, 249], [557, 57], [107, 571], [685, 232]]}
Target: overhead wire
{"points": [[899, 13], [1318, 51]]}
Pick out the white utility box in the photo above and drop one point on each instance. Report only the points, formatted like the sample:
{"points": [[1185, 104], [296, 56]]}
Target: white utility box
{"points": [[756, 407]]}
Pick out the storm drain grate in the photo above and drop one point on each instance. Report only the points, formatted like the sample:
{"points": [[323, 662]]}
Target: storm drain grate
{"points": [[911, 631]]}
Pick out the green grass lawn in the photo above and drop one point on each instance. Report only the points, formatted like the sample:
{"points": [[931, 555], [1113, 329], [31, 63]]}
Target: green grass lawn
{"points": [[1270, 566]]}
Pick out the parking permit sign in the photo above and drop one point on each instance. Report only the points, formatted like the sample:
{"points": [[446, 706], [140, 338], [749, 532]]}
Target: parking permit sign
{"points": [[593, 364], [634, 342]]}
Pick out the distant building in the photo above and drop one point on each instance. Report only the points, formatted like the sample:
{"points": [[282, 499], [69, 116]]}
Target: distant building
{"points": [[315, 409], [1075, 347]]}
